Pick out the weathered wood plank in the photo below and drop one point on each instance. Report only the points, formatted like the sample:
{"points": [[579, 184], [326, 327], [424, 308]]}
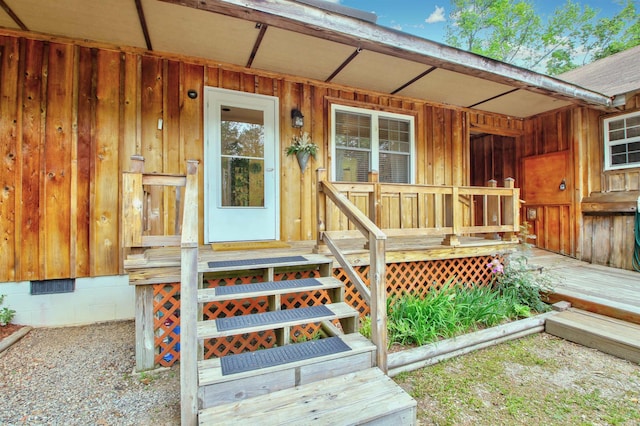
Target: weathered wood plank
{"points": [[608, 335], [57, 162], [31, 153], [104, 191], [8, 150], [361, 397]]}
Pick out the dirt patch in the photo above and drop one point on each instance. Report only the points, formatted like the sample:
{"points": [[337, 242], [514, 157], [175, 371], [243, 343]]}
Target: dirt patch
{"points": [[8, 330], [538, 380]]}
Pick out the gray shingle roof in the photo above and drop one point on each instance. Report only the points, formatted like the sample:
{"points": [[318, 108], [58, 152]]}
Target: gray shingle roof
{"points": [[614, 75]]}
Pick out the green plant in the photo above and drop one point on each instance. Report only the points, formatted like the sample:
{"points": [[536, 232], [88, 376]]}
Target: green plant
{"points": [[445, 313], [516, 279], [302, 143], [6, 314]]}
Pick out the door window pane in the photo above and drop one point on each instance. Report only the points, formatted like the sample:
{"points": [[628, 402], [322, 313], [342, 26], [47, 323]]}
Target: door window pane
{"points": [[242, 159]]}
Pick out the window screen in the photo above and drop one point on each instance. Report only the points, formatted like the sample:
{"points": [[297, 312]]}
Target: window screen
{"points": [[371, 140], [622, 141]]}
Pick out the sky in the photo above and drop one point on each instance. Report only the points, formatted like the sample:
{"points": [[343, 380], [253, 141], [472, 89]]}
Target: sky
{"points": [[428, 19]]}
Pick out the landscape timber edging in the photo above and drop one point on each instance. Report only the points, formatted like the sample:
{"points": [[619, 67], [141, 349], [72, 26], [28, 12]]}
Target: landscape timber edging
{"points": [[10, 340], [433, 353]]}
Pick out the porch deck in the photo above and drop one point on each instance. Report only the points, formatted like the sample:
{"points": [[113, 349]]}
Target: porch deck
{"points": [[161, 265], [607, 291]]}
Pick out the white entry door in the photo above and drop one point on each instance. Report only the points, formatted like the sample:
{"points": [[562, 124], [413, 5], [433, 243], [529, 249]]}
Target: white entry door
{"points": [[241, 166]]}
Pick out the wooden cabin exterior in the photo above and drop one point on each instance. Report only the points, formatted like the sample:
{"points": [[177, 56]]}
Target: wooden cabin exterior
{"points": [[74, 113]]}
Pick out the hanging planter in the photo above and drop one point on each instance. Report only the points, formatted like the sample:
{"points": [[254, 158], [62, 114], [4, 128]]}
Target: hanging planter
{"points": [[303, 148], [303, 159]]}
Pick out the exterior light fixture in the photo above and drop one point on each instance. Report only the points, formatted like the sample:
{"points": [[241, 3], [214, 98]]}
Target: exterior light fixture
{"points": [[297, 119]]}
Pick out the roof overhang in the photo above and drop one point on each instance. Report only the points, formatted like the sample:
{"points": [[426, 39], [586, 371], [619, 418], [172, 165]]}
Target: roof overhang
{"points": [[307, 41]]}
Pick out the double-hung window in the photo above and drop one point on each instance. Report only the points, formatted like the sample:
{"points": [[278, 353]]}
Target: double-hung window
{"points": [[365, 140], [622, 141]]}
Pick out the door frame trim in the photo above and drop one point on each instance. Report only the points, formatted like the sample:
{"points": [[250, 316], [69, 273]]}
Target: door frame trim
{"points": [[209, 204]]}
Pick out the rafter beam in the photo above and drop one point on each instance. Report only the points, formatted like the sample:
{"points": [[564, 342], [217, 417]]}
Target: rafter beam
{"points": [[13, 16], [143, 24]]}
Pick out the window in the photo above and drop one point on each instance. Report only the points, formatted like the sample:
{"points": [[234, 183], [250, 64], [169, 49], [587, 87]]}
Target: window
{"points": [[622, 141], [365, 141]]}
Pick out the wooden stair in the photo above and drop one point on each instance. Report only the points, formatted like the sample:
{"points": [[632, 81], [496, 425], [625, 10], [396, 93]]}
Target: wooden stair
{"points": [[332, 380], [609, 335], [363, 397]]}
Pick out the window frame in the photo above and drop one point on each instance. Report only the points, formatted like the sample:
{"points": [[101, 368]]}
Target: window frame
{"points": [[608, 144], [375, 115]]}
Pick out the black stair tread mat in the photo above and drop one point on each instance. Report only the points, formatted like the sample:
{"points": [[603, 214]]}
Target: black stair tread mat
{"points": [[267, 286], [280, 355], [273, 317], [253, 262]]}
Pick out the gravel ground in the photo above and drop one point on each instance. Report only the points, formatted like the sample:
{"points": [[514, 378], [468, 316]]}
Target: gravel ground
{"points": [[84, 376]]}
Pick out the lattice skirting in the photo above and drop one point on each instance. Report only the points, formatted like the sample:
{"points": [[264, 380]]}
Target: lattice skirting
{"points": [[402, 278]]}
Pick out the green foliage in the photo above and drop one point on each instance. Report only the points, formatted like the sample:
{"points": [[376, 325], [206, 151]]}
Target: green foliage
{"points": [[302, 143], [446, 313], [6, 314], [511, 31], [522, 283]]}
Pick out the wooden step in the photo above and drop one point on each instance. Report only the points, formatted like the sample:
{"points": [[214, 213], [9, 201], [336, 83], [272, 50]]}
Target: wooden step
{"points": [[363, 397], [264, 263], [609, 335], [277, 319], [270, 288], [216, 388]]}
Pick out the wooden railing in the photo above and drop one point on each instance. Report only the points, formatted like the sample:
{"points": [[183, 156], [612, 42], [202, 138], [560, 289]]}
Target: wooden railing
{"points": [[376, 210], [448, 211], [189, 279], [144, 196], [376, 294], [152, 207]]}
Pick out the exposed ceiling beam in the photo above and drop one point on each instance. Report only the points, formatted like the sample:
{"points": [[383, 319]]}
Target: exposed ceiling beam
{"points": [[413, 80], [294, 16], [493, 97], [13, 16], [344, 64], [256, 45], [143, 24]]}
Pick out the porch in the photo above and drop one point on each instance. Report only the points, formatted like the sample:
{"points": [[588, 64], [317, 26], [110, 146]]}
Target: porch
{"points": [[432, 235]]}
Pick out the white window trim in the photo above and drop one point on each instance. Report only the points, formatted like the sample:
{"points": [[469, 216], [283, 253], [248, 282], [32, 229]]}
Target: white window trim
{"points": [[375, 153], [608, 144]]}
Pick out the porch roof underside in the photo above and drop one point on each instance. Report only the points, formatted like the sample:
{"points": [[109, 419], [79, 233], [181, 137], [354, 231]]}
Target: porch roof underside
{"points": [[306, 41]]}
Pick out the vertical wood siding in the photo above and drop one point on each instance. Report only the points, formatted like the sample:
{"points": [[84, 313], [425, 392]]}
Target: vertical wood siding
{"points": [[72, 115]]}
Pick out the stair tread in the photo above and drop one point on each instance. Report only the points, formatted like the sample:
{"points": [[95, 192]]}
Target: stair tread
{"points": [[268, 288], [352, 398], [251, 361], [608, 335], [262, 263], [273, 319], [210, 370], [610, 328]]}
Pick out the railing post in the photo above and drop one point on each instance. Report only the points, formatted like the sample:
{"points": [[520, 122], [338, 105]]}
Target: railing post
{"points": [[511, 209], [321, 211], [378, 287], [189, 301], [453, 239], [491, 211], [375, 203]]}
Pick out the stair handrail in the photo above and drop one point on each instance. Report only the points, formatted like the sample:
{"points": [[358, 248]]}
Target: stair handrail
{"points": [[377, 293], [189, 300]]}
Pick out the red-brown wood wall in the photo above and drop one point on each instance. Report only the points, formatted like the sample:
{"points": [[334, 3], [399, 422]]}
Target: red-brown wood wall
{"points": [[72, 114]]}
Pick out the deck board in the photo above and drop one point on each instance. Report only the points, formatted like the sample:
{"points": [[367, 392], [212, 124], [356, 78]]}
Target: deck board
{"points": [[596, 288]]}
